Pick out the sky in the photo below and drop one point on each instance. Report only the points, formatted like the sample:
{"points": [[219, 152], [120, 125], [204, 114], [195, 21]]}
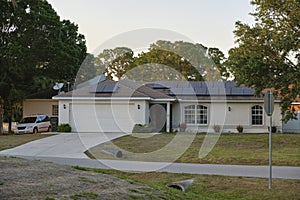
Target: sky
{"points": [[208, 22]]}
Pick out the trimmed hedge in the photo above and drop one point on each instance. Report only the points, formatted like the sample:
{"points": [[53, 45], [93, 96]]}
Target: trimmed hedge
{"points": [[64, 128]]}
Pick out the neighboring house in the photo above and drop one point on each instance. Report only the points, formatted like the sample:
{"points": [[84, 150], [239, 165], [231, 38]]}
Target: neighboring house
{"points": [[296, 105], [110, 106], [292, 126], [41, 103], [40, 106]]}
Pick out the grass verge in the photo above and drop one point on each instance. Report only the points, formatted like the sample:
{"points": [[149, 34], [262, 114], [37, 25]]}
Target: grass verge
{"points": [[11, 141], [241, 149], [206, 186]]}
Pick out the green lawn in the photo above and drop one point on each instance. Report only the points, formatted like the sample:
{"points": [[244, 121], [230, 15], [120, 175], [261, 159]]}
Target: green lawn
{"points": [[206, 186], [243, 149], [11, 141]]}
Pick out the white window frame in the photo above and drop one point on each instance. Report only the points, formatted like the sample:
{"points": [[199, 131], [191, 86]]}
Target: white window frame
{"points": [[195, 112], [256, 114], [54, 110]]}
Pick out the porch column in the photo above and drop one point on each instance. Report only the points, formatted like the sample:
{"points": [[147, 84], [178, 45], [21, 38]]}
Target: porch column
{"points": [[168, 117]]}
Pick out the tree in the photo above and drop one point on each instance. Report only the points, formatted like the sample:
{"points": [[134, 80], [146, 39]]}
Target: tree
{"points": [[116, 61], [179, 60], [35, 48], [268, 53], [159, 64], [87, 69], [219, 59]]}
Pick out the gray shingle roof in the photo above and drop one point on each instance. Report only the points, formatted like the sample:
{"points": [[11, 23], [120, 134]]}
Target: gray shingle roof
{"points": [[120, 89]]}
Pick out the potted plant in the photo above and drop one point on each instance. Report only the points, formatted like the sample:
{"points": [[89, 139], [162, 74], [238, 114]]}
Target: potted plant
{"points": [[240, 128], [274, 129], [217, 128], [182, 127]]}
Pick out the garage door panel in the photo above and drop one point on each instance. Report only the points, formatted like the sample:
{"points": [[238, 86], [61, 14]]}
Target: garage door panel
{"points": [[98, 118]]}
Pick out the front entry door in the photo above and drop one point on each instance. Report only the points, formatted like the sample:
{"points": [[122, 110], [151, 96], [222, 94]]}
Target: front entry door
{"points": [[158, 117]]}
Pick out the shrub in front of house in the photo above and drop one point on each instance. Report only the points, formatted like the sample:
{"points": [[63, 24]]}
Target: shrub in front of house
{"points": [[64, 128], [140, 128]]}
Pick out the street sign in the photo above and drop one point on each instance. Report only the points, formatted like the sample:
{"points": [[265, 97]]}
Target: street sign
{"points": [[269, 103]]}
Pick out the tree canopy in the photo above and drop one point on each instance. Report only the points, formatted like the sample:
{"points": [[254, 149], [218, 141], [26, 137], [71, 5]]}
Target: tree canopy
{"points": [[116, 61], [268, 52], [36, 49], [164, 60]]}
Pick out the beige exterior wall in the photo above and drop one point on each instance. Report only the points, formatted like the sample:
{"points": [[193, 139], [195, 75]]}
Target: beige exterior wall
{"points": [[39, 106], [219, 114]]}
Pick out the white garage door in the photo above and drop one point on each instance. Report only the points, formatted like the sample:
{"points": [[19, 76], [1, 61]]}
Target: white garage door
{"points": [[102, 117]]}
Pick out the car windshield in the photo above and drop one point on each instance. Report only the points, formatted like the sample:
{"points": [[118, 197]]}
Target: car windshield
{"points": [[28, 120]]}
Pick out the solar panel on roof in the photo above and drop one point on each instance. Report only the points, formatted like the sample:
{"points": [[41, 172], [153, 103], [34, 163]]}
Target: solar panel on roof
{"points": [[228, 91], [230, 84], [109, 88], [248, 91], [98, 88], [209, 84], [159, 86], [183, 85], [201, 91], [188, 91], [105, 88], [196, 84], [176, 91], [206, 88], [237, 91], [219, 84], [213, 91]]}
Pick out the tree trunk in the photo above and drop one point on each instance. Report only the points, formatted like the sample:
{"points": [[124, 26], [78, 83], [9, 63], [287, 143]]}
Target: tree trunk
{"points": [[9, 124], [1, 119]]}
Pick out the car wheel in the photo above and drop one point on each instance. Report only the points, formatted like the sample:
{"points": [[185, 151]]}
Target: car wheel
{"points": [[35, 130], [49, 129]]}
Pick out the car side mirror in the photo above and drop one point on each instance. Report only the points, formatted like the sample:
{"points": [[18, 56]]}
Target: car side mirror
{"points": [[38, 121]]}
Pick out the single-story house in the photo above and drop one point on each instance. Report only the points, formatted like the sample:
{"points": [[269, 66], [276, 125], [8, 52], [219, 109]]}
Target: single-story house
{"points": [[109, 106], [40, 106]]}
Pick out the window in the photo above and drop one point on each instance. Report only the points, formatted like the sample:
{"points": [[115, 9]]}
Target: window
{"points": [[189, 114], [201, 114], [196, 114], [257, 115], [55, 110]]}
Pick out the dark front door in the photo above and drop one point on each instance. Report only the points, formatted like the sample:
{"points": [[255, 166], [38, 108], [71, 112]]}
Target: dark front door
{"points": [[158, 117]]}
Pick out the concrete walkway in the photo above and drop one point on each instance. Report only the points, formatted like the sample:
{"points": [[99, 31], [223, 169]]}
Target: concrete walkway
{"points": [[68, 148]]}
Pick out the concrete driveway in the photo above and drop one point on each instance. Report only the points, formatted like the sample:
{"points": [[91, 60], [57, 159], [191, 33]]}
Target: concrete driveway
{"points": [[62, 145]]}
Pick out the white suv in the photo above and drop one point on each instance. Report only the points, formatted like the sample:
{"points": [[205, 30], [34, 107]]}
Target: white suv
{"points": [[34, 124]]}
